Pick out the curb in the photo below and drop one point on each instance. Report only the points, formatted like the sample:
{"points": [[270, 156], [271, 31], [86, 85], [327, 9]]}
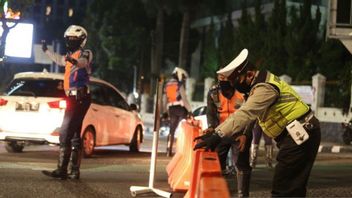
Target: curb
{"points": [[334, 149]]}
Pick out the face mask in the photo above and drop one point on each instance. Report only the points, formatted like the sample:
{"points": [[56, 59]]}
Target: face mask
{"points": [[225, 86], [242, 87], [73, 45]]}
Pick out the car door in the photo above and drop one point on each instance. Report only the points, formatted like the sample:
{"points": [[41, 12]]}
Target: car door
{"points": [[120, 123], [98, 114]]}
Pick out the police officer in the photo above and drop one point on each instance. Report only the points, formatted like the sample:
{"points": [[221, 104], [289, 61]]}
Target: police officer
{"points": [[282, 115], [223, 100], [77, 69], [268, 146], [177, 103]]}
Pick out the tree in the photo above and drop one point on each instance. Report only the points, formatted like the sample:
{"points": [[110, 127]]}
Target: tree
{"points": [[226, 42], [274, 53], [302, 42], [211, 61], [118, 38]]}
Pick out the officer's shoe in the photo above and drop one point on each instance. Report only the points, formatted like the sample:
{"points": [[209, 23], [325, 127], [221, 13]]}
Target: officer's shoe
{"points": [[75, 174], [58, 174]]}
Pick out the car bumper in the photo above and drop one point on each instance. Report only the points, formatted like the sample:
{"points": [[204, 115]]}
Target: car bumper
{"points": [[34, 138]]}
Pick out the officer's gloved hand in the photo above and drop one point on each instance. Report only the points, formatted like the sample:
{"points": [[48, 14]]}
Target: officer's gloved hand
{"points": [[44, 46], [242, 142], [206, 133], [209, 143]]}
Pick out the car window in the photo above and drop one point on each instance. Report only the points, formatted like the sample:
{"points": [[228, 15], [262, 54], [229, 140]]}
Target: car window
{"points": [[200, 111], [115, 99], [98, 94], [36, 88]]}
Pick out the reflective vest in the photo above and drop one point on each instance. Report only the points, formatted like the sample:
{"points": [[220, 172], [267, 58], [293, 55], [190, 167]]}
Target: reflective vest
{"points": [[225, 106], [74, 76], [287, 108], [172, 91]]}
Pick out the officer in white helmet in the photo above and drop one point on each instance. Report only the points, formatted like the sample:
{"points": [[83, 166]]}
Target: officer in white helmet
{"points": [[77, 63], [176, 102], [282, 115]]}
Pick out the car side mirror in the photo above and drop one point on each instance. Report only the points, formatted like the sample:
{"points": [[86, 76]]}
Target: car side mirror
{"points": [[133, 107]]}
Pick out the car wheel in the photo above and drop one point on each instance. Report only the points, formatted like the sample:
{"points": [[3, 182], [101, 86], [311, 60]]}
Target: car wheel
{"points": [[88, 140], [14, 147], [136, 140]]}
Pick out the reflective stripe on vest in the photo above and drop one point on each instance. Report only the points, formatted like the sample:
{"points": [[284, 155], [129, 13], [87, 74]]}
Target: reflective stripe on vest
{"points": [[172, 92], [225, 106], [287, 108]]}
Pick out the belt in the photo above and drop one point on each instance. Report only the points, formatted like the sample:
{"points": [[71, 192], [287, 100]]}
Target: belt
{"points": [[304, 120], [175, 103], [77, 91]]}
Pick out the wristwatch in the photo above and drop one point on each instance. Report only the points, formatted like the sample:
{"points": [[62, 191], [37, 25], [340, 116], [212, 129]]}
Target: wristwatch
{"points": [[220, 133]]}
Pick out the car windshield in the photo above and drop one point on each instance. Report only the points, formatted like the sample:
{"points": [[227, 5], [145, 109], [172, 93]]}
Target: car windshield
{"points": [[36, 88]]}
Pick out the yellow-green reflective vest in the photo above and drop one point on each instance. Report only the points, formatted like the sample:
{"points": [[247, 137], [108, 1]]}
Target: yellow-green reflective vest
{"points": [[287, 108]]}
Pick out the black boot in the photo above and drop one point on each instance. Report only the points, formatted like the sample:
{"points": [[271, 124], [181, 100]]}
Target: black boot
{"points": [[61, 171], [76, 157], [170, 141], [243, 180]]}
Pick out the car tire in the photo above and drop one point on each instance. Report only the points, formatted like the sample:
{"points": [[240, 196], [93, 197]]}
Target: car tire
{"points": [[14, 147], [136, 141], [88, 142]]}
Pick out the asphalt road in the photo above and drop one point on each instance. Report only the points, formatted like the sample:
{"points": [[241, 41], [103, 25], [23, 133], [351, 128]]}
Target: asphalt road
{"points": [[112, 170]]}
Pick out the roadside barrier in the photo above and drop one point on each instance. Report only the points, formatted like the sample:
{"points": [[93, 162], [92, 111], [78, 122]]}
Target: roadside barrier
{"points": [[179, 168], [207, 180], [197, 172]]}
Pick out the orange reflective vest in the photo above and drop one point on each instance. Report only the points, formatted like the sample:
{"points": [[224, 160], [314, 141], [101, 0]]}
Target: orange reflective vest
{"points": [[172, 92], [68, 67], [225, 106]]}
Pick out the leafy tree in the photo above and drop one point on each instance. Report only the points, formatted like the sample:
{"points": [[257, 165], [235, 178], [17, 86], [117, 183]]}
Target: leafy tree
{"points": [[335, 63], [118, 38], [274, 53], [211, 61], [226, 42], [302, 42]]}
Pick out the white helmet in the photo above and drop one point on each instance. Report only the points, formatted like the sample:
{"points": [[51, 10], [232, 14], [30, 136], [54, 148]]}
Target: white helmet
{"points": [[180, 73], [77, 31]]}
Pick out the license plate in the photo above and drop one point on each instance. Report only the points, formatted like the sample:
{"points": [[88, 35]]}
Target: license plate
{"points": [[27, 107]]}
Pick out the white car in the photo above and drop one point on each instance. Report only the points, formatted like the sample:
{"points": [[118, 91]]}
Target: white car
{"points": [[32, 110]]}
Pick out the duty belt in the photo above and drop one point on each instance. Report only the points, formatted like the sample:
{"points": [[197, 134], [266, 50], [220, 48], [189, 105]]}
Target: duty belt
{"points": [[305, 120], [77, 91], [175, 103]]}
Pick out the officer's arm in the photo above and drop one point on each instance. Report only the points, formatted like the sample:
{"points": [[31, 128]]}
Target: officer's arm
{"points": [[262, 96], [184, 99], [248, 130], [212, 117], [55, 57], [85, 59]]}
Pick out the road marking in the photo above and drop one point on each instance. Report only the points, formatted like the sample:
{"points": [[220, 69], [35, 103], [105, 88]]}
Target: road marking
{"points": [[335, 149], [320, 148]]}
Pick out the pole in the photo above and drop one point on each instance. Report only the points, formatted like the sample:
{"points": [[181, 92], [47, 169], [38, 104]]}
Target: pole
{"points": [[137, 190]]}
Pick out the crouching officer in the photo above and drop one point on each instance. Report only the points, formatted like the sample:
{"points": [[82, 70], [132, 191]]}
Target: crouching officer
{"points": [[77, 69], [282, 115], [222, 101]]}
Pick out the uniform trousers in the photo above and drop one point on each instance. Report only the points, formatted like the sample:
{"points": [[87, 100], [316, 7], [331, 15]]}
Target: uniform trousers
{"points": [[295, 163], [70, 133]]}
